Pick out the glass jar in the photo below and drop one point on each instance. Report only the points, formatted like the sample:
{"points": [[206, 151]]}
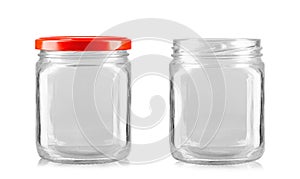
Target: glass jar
{"points": [[83, 99], [217, 101]]}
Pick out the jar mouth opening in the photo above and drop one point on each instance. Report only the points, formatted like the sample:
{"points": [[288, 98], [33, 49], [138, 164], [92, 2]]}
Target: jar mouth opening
{"points": [[219, 39], [217, 47]]}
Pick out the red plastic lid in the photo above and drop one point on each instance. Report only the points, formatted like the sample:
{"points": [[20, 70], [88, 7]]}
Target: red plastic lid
{"points": [[83, 43]]}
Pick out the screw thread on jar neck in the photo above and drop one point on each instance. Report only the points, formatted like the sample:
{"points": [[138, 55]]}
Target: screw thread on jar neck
{"points": [[221, 48], [85, 54]]}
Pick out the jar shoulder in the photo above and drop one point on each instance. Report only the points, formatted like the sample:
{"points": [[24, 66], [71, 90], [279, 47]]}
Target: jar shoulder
{"points": [[47, 66]]}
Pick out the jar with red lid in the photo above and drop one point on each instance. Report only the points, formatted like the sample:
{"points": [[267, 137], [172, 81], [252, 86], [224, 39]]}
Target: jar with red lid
{"points": [[83, 98]]}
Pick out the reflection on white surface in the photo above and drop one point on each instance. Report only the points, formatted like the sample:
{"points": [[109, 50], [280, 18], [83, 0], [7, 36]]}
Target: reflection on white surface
{"points": [[243, 166], [43, 162]]}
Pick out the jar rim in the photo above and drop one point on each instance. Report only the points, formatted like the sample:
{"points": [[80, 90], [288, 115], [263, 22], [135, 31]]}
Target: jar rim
{"points": [[219, 39]]}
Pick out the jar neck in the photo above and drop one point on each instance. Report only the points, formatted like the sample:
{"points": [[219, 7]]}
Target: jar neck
{"points": [[118, 56], [85, 54], [218, 49]]}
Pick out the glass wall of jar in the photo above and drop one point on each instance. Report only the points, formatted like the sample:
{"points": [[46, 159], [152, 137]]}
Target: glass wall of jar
{"points": [[83, 99], [217, 101]]}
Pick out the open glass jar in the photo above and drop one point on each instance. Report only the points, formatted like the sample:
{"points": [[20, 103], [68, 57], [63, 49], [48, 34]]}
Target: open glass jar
{"points": [[83, 99], [217, 101]]}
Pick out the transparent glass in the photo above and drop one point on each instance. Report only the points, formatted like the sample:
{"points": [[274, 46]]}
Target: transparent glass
{"points": [[83, 102], [217, 99]]}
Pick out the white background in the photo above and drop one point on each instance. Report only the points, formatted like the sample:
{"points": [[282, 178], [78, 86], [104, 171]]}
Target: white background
{"points": [[275, 22]]}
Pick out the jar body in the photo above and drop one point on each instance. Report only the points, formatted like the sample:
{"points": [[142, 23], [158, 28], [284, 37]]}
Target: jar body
{"points": [[83, 102], [217, 110]]}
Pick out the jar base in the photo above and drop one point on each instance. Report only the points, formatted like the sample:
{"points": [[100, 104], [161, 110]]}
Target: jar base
{"points": [[82, 156], [210, 157]]}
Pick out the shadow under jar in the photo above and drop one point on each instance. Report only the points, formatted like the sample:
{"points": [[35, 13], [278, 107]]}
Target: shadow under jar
{"points": [[83, 99], [217, 100]]}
